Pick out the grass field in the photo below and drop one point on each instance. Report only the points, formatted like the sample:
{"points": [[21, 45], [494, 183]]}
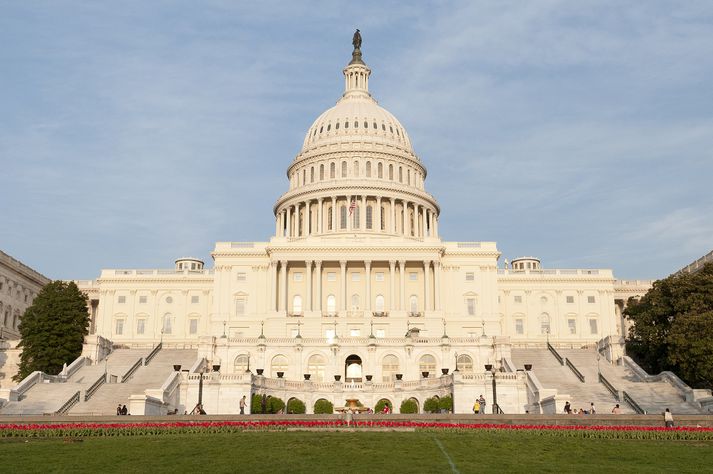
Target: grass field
{"points": [[309, 451]]}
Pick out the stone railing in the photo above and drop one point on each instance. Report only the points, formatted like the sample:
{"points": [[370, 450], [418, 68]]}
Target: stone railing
{"points": [[68, 404], [330, 314], [552, 271], [354, 340], [129, 373], [94, 387], [156, 272], [380, 314], [355, 314], [72, 368], [153, 353]]}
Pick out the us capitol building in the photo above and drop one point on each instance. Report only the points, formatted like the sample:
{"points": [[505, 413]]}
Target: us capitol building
{"points": [[356, 296]]}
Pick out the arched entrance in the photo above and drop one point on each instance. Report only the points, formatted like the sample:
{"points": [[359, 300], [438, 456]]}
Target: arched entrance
{"points": [[352, 368]]}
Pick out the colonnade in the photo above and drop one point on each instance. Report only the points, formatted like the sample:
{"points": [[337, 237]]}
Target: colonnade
{"points": [[279, 285], [313, 216]]}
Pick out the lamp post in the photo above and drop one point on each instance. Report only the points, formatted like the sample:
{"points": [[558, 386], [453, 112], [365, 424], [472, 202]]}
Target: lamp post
{"points": [[224, 335], [490, 368], [456, 369]]}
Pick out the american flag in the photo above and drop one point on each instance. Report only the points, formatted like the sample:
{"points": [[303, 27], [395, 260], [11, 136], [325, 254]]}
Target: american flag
{"points": [[352, 206]]}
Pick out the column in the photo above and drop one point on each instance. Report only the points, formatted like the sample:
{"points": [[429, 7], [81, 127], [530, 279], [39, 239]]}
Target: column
{"points": [[343, 302], [392, 221], [402, 265], [392, 290], [318, 271], [320, 203], [288, 232], [435, 225], [283, 285], [405, 209], [334, 214], [272, 279], [423, 221], [278, 216], [426, 285], [307, 219], [437, 285], [367, 306], [308, 275], [377, 225]]}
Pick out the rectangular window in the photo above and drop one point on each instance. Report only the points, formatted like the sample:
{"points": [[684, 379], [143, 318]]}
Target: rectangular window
{"points": [[195, 299], [142, 299], [140, 326], [167, 325], [193, 326], [572, 325], [298, 276], [570, 299], [380, 333], [242, 276], [469, 276], [356, 276], [470, 305], [122, 299], [518, 299], [294, 332], [413, 276], [240, 306], [379, 276], [119, 327], [329, 334], [354, 332], [593, 326], [519, 326], [591, 299], [331, 276]]}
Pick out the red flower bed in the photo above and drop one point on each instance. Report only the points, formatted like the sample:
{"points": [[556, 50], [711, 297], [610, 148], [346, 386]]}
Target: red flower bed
{"points": [[178, 427]]}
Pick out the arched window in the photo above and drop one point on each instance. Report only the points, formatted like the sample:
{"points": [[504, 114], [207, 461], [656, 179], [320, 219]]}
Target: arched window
{"points": [[343, 217], [379, 303], [391, 172], [356, 168], [332, 170], [321, 172], [297, 304], [311, 174], [427, 363], [304, 176], [401, 174], [241, 364], [279, 364], [380, 170], [389, 368], [315, 366], [413, 303], [329, 218], [331, 304], [368, 169], [167, 323], [383, 218], [465, 363], [344, 169], [355, 302], [356, 217], [544, 323], [408, 176], [369, 217]]}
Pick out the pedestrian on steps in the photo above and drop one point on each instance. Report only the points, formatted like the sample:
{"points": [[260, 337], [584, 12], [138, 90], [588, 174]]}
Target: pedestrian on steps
{"points": [[668, 418]]}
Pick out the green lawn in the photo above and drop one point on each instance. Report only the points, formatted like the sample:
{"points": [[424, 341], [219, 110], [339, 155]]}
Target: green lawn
{"points": [[336, 452]]}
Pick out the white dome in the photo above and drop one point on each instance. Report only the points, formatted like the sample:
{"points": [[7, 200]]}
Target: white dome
{"points": [[357, 117]]}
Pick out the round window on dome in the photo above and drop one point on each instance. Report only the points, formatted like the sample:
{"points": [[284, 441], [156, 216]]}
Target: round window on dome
{"points": [[383, 127], [329, 127], [336, 126]]}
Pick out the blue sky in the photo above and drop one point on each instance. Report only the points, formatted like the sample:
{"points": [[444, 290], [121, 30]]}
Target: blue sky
{"points": [[135, 132]]}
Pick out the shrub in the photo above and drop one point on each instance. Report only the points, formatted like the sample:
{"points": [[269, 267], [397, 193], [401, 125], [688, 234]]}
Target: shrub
{"points": [[380, 405], [323, 407], [274, 404], [408, 406], [446, 403], [295, 405], [256, 403], [431, 405]]}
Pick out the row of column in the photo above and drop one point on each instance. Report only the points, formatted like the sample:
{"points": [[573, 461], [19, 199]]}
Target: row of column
{"points": [[279, 271], [287, 222]]}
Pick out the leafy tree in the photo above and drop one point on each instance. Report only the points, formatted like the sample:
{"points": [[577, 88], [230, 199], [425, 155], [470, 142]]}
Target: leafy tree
{"points": [[446, 403], [275, 404], [381, 404], [256, 403], [52, 329], [673, 327], [323, 407], [431, 405]]}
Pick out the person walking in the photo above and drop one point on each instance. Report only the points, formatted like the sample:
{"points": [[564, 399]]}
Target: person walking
{"points": [[592, 411], [616, 410], [242, 405], [567, 408], [668, 418], [476, 407], [481, 401]]}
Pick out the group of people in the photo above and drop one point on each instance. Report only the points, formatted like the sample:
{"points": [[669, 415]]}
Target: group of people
{"points": [[479, 405], [592, 411], [122, 410]]}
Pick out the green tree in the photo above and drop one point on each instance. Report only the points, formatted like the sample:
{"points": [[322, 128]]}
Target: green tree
{"points": [[431, 405], [408, 406], [295, 405], [323, 406], [52, 329], [673, 328]]}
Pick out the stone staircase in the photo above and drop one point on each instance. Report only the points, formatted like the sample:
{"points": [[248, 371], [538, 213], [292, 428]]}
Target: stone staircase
{"points": [[556, 376], [652, 396], [48, 397], [153, 375]]}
